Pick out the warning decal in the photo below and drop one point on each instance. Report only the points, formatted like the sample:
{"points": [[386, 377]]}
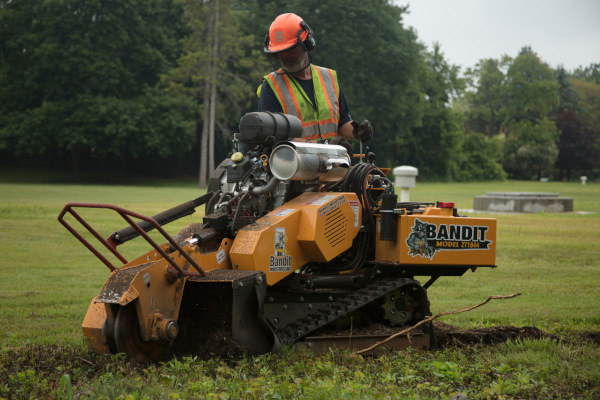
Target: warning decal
{"points": [[355, 204]]}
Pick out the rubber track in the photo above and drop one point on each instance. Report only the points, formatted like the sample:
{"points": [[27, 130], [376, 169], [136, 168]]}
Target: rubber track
{"points": [[339, 308]]}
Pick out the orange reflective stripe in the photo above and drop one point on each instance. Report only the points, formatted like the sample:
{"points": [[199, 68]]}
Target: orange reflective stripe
{"points": [[328, 121], [320, 136], [311, 137], [291, 91], [278, 89]]}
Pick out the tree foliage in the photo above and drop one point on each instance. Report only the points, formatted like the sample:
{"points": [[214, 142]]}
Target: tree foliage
{"points": [[218, 71], [479, 159], [532, 89], [577, 145], [120, 83], [530, 151], [487, 110], [78, 78], [590, 73]]}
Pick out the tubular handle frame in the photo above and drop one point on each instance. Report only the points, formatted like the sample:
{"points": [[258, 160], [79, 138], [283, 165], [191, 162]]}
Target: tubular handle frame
{"points": [[112, 246]]}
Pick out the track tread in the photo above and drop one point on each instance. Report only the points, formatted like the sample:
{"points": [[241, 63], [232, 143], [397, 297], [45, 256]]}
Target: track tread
{"points": [[339, 308]]}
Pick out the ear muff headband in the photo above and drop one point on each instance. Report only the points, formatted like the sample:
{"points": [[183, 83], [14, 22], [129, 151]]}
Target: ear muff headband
{"points": [[309, 42]]}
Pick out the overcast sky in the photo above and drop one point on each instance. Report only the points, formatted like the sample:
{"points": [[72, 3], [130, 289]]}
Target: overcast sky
{"points": [[561, 32]]}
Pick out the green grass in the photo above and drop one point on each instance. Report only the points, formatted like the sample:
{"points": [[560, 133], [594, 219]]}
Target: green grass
{"points": [[47, 280], [528, 369]]}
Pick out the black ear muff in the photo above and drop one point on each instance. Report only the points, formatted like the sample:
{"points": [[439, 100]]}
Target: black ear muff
{"points": [[309, 42], [267, 41]]}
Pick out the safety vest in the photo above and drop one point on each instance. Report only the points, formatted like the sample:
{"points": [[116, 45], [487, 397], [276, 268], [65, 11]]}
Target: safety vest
{"points": [[320, 122]]}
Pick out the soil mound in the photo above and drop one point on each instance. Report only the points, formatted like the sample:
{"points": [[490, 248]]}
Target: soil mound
{"points": [[448, 335]]}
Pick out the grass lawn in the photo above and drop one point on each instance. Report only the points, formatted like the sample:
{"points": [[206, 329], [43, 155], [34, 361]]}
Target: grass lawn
{"points": [[47, 280]]}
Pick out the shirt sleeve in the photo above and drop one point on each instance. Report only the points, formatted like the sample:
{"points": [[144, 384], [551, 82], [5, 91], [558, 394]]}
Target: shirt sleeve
{"points": [[267, 101], [344, 109]]}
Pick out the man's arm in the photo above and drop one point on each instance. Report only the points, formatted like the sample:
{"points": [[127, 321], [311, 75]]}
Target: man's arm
{"points": [[345, 131]]}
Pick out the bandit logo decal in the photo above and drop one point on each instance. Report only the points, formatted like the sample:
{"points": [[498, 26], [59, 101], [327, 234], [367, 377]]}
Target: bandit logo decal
{"points": [[280, 262], [426, 239]]}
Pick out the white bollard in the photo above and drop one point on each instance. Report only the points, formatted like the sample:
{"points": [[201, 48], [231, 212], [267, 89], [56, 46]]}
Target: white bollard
{"points": [[583, 179], [405, 179]]}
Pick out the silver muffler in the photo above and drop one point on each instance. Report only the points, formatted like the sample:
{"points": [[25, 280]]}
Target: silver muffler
{"points": [[298, 161]]}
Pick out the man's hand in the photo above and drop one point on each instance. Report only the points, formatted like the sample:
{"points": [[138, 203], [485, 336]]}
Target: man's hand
{"points": [[362, 131], [342, 142]]}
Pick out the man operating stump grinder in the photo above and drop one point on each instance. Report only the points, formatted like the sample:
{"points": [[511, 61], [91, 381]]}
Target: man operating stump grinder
{"points": [[307, 91]]}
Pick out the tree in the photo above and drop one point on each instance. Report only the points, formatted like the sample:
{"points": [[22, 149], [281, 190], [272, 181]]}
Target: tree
{"points": [[590, 73], [487, 105], [530, 151], [568, 97], [434, 145], [531, 87], [218, 71], [577, 145], [78, 78], [530, 148], [589, 95], [479, 159]]}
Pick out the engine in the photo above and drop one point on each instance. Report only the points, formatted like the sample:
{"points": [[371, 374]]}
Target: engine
{"points": [[268, 168]]}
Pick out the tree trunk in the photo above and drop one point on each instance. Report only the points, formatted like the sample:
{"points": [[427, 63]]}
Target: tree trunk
{"points": [[213, 90], [75, 162], [203, 143]]}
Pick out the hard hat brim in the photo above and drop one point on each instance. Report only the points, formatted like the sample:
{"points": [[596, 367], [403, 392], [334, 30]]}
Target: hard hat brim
{"points": [[280, 49]]}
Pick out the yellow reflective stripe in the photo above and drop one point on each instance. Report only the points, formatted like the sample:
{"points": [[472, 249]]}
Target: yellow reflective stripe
{"points": [[329, 91]]}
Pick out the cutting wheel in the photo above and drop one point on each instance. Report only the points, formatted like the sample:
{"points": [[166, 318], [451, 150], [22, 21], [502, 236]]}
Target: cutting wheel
{"points": [[128, 338]]}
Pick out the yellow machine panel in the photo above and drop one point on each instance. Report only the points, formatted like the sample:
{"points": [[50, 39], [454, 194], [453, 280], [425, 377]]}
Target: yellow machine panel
{"points": [[328, 230], [312, 227], [440, 240]]}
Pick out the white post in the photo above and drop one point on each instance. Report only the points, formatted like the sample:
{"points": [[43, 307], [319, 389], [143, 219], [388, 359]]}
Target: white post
{"points": [[404, 195], [583, 179], [405, 179]]}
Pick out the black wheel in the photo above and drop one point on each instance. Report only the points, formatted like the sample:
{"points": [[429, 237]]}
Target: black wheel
{"points": [[128, 338], [405, 305]]}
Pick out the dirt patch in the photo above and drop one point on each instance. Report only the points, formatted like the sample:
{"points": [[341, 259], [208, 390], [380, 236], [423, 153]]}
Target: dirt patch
{"points": [[593, 337], [448, 335]]}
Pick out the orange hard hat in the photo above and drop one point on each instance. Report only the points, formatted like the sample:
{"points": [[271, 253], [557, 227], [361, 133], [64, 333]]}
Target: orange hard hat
{"points": [[287, 31]]}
